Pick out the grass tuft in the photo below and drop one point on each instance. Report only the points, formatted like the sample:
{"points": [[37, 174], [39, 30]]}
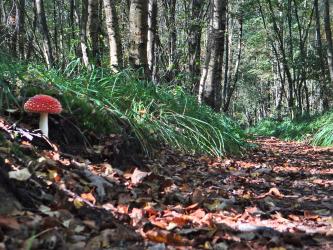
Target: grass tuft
{"points": [[317, 130], [122, 103]]}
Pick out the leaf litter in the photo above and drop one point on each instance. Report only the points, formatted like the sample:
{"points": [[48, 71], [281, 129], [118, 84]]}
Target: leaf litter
{"points": [[278, 196]]}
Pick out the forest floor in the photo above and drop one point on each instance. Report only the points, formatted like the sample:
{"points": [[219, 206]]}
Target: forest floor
{"points": [[277, 196]]}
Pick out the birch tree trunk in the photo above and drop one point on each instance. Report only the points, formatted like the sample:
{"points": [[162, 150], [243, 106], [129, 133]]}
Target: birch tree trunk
{"points": [[47, 47], [111, 19], [210, 82], [138, 19], [152, 33]]}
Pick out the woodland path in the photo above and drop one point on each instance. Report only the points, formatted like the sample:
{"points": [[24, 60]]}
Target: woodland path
{"points": [[278, 196]]}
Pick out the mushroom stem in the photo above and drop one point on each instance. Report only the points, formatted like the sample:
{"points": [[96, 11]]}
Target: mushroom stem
{"points": [[43, 124]]}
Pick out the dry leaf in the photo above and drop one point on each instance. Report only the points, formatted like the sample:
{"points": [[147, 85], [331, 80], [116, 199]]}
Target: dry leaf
{"points": [[20, 175], [138, 176]]}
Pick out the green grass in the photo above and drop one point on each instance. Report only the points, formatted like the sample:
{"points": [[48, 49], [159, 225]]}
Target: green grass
{"points": [[318, 129], [122, 103]]}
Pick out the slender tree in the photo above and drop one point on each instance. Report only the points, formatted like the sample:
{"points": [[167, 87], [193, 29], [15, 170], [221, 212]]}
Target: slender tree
{"points": [[194, 41], [319, 47], [210, 82], [83, 33], [43, 28], [3, 14], [328, 32], [93, 27], [152, 37]]}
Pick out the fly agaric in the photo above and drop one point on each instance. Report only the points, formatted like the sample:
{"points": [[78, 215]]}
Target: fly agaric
{"points": [[44, 105]]}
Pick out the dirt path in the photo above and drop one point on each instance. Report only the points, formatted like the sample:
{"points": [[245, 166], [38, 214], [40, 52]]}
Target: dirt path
{"points": [[278, 196]]}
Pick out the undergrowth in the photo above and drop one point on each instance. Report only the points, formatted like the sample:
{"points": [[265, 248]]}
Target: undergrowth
{"points": [[318, 129], [122, 103]]}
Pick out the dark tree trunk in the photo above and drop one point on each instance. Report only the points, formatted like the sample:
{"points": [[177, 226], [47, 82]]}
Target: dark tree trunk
{"points": [[93, 27], [328, 32], [319, 46], [194, 43]]}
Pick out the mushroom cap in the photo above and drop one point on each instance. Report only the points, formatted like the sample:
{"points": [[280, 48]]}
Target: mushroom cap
{"points": [[43, 104]]}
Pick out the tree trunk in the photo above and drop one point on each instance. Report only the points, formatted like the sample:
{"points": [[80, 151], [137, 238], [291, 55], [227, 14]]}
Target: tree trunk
{"points": [[319, 46], [194, 43], [3, 17], [55, 31], [232, 81], [111, 20], [328, 31], [152, 33], [210, 82], [45, 32], [283, 56], [172, 40], [138, 19], [93, 27], [20, 20], [83, 33], [228, 60]]}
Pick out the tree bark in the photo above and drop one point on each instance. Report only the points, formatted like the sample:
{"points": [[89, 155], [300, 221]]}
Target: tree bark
{"points": [[83, 33], [3, 16], [151, 41], [138, 19], [210, 82], [45, 32], [111, 20], [232, 81], [194, 43], [319, 47], [21, 27], [328, 32], [93, 27]]}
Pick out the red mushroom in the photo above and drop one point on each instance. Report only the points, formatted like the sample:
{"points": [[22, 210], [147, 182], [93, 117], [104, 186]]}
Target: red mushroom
{"points": [[44, 105]]}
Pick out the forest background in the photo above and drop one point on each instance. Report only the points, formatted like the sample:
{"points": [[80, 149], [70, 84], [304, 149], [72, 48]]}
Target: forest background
{"points": [[253, 60]]}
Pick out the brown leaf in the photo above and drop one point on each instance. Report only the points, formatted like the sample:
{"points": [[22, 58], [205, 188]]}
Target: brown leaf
{"points": [[138, 176], [89, 196], [164, 236], [310, 216], [8, 222]]}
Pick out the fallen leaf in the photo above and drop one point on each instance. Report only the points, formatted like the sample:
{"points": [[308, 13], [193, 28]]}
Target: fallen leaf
{"points": [[20, 175], [90, 197], [310, 216], [8, 222], [138, 176], [164, 236]]}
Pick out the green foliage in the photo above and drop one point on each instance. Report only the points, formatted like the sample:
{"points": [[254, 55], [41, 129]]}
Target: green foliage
{"points": [[287, 129], [318, 130], [122, 103], [324, 135]]}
